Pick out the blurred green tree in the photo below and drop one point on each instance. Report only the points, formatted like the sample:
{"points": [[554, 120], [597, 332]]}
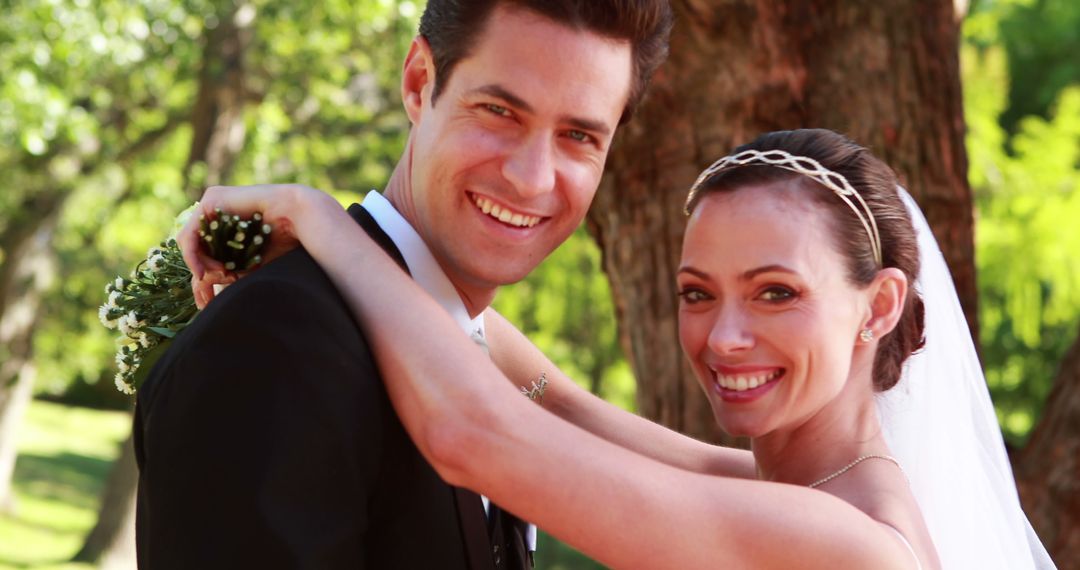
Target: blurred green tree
{"points": [[1041, 39], [1022, 104], [1027, 200]]}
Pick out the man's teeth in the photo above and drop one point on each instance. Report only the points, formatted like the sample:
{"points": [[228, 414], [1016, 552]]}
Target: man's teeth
{"points": [[746, 382], [504, 215]]}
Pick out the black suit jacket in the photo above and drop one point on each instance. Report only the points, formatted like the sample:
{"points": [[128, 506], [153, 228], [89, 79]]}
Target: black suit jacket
{"points": [[265, 439]]}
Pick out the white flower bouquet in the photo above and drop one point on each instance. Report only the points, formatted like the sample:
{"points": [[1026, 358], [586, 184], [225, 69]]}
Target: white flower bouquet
{"points": [[155, 302]]}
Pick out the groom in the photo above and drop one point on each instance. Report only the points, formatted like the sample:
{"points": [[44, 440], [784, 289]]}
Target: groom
{"points": [[264, 436]]}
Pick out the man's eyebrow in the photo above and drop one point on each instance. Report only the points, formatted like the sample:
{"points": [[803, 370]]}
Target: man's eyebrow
{"points": [[591, 125], [503, 93], [500, 92]]}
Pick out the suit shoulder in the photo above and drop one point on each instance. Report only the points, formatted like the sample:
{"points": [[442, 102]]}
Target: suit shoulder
{"points": [[286, 321]]}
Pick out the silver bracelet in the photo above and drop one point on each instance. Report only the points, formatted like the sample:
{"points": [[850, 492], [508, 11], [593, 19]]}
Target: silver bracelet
{"points": [[536, 394]]}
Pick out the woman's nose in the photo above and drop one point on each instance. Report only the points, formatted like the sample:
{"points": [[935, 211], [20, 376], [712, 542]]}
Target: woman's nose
{"points": [[730, 332]]}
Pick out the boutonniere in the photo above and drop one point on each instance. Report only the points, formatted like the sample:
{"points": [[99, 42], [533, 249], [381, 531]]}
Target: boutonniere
{"points": [[154, 303]]}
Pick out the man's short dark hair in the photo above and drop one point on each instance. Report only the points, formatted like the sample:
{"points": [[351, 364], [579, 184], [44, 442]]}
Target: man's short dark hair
{"points": [[451, 28]]}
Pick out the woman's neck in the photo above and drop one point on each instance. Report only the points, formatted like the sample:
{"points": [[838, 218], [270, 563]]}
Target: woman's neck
{"points": [[845, 429]]}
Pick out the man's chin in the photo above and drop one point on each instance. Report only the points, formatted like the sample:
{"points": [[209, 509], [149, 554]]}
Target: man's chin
{"points": [[495, 271]]}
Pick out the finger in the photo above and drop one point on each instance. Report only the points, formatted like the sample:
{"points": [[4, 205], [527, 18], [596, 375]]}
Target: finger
{"points": [[201, 298], [189, 242], [244, 200], [203, 289]]}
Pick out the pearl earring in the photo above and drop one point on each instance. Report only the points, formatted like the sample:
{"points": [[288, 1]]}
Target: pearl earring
{"points": [[866, 335]]}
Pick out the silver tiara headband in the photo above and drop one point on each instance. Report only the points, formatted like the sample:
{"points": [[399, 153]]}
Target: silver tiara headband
{"points": [[807, 167]]}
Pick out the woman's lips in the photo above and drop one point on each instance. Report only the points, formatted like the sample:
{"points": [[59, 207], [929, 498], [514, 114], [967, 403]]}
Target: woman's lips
{"points": [[744, 386]]}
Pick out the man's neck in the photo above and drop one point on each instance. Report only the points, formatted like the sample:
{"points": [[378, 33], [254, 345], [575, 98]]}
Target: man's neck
{"points": [[475, 298]]}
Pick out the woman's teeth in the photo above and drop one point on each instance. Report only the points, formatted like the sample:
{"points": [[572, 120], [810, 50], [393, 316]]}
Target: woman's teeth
{"points": [[745, 382], [504, 215]]}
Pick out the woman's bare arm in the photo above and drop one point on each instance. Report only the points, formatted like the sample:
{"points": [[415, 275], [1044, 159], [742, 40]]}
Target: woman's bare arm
{"points": [[624, 509], [523, 363]]}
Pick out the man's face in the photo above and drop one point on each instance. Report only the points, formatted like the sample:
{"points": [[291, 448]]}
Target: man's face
{"points": [[505, 163]]}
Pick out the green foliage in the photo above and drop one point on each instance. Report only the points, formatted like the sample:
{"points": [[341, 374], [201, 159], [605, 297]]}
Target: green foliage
{"points": [[1042, 40], [1027, 203], [96, 113]]}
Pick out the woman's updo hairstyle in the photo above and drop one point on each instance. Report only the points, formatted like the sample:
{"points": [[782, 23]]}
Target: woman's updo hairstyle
{"points": [[876, 184]]}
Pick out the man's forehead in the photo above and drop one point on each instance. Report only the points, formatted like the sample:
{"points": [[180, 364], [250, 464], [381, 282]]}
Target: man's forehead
{"points": [[528, 59]]}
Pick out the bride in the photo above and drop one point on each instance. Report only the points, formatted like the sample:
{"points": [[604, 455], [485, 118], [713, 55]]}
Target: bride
{"points": [[799, 307]]}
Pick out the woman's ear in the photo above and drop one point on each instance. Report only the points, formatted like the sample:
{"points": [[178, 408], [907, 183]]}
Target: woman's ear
{"points": [[417, 78], [887, 292]]}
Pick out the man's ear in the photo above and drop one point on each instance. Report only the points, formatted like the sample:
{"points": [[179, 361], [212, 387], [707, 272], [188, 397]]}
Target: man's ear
{"points": [[417, 78], [887, 291]]}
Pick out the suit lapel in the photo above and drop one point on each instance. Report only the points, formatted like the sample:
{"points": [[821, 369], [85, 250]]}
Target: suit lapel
{"points": [[474, 531]]}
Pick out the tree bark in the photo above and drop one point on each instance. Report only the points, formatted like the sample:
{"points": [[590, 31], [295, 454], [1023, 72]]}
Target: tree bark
{"points": [[34, 271], [22, 225], [1048, 469], [884, 73], [217, 118], [111, 543]]}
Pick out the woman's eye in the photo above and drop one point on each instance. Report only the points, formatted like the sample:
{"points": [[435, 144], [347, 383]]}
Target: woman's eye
{"points": [[498, 109], [691, 296], [776, 293]]}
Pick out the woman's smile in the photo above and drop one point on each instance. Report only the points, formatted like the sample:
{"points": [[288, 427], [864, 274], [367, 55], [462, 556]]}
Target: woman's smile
{"points": [[740, 386]]}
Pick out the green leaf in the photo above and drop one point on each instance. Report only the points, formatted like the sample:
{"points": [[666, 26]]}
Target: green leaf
{"points": [[167, 333]]}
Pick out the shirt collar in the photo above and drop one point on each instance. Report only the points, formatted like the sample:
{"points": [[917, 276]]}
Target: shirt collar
{"points": [[422, 264]]}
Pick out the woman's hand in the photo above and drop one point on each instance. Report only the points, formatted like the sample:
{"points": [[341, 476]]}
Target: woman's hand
{"points": [[286, 207]]}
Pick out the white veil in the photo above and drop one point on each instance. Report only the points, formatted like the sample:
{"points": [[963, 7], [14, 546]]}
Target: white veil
{"points": [[940, 424]]}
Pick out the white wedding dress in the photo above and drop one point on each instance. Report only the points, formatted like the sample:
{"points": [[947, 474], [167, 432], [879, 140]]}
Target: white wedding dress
{"points": [[940, 424]]}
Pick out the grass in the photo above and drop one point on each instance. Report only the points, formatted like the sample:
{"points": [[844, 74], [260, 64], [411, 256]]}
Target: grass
{"points": [[64, 456]]}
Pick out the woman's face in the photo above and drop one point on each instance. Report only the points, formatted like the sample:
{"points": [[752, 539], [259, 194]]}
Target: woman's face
{"points": [[767, 315]]}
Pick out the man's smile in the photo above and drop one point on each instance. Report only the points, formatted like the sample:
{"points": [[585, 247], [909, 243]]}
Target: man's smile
{"points": [[503, 213]]}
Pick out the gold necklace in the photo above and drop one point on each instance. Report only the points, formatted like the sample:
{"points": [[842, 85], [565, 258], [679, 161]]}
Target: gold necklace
{"points": [[847, 467]]}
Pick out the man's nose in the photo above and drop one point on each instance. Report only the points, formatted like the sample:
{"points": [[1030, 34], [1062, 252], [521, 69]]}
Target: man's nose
{"points": [[530, 166]]}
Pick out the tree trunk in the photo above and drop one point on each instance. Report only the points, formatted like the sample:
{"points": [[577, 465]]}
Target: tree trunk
{"points": [[1048, 469], [111, 543], [217, 118], [885, 73], [23, 224], [13, 404], [33, 272]]}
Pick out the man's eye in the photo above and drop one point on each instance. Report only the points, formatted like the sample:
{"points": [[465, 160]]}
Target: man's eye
{"points": [[579, 136], [498, 109], [776, 294]]}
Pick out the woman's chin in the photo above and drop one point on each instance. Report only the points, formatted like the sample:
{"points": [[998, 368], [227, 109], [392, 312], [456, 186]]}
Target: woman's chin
{"points": [[737, 427]]}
